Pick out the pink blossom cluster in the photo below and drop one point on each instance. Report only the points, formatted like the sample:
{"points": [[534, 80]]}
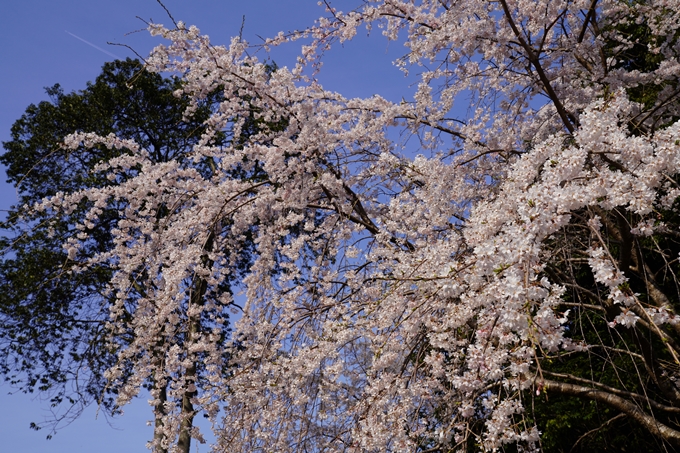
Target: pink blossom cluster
{"points": [[392, 301]]}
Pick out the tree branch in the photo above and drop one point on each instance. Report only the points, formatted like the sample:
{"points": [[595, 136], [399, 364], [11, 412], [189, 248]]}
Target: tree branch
{"points": [[647, 421], [567, 119]]}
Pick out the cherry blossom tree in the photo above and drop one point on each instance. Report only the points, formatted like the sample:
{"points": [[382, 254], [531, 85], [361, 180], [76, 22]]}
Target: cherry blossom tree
{"points": [[400, 303]]}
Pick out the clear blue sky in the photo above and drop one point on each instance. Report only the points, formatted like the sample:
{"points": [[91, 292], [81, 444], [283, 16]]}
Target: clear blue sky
{"points": [[46, 42]]}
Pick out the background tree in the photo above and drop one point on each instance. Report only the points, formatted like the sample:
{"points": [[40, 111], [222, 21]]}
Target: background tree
{"points": [[54, 337]]}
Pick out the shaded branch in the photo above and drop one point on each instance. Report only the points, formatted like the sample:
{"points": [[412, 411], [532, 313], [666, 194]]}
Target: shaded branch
{"points": [[647, 421]]}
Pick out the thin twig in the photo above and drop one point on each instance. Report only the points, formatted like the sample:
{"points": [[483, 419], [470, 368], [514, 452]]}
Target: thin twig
{"points": [[608, 422], [168, 13], [130, 48]]}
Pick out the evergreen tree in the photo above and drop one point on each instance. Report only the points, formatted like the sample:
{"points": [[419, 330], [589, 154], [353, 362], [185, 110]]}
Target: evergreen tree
{"points": [[53, 322]]}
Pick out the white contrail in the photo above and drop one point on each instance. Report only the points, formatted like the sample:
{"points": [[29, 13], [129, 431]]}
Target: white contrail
{"points": [[96, 47]]}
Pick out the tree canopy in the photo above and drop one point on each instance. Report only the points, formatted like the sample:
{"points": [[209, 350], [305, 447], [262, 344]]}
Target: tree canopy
{"points": [[520, 269]]}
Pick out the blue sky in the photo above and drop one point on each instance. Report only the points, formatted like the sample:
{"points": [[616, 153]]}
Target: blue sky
{"points": [[46, 42]]}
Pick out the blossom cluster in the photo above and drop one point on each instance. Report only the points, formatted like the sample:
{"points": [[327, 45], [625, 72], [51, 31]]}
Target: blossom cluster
{"points": [[391, 302]]}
